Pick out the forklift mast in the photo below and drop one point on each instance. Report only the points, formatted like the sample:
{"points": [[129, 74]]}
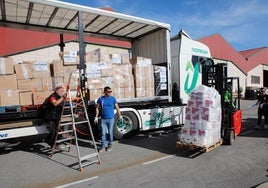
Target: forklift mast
{"points": [[215, 75]]}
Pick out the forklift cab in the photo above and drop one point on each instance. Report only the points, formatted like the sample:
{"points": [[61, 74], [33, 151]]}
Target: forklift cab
{"points": [[215, 75]]}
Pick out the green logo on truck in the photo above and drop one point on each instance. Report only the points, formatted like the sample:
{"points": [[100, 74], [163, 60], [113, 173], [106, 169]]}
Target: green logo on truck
{"points": [[194, 71], [200, 51]]}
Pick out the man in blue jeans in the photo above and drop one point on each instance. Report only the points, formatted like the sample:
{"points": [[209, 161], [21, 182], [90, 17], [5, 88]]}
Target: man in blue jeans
{"points": [[105, 108]]}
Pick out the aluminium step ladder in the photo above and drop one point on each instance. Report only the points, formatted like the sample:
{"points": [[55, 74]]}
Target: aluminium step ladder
{"points": [[67, 128]]}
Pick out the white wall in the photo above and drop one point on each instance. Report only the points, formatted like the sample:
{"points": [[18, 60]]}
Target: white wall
{"points": [[257, 71]]}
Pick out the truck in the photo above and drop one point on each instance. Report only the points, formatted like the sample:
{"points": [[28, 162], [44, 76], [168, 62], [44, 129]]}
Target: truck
{"points": [[177, 65]]}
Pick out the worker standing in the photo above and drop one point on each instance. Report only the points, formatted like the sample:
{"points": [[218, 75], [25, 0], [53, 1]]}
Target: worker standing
{"points": [[262, 109], [105, 108]]}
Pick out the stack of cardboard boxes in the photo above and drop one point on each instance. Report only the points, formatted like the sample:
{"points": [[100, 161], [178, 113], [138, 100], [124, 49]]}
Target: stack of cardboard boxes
{"points": [[113, 70], [9, 94], [30, 82], [34, 82]]}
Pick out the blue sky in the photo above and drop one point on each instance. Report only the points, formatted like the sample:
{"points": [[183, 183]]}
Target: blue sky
{"points": [[242, 23]]}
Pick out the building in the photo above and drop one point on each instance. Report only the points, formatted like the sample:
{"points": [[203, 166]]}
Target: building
{"points": [[250, 65]]}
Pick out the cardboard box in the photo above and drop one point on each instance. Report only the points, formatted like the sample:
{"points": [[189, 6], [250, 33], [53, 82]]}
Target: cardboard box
{"points": [[34, 84], [125, 58], [57, 81], [140, 92], [56, 68], [129, 81], [47, 83], [92, 57], [129, 92], [67, 70], [141, 61], [70, 57], [103, 54], [26, 98], [8, 82], [40, 96], [24, 71], [119, 92], [41, 69], [9, 97], [116, 58], [124, 69], [94, 94], [6, 65]]}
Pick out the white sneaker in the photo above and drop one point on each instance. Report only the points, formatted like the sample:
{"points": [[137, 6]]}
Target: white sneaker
{"points": [[101, 150], [257, 127]]}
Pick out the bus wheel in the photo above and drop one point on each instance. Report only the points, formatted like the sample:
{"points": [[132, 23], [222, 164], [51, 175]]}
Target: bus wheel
{"points": [[126, 128]]}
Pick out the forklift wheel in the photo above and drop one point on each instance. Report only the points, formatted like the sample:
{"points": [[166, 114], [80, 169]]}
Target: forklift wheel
{"points": [[229, 137]]}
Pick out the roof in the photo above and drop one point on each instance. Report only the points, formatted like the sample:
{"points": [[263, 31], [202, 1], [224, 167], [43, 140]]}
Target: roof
{"points": [[221, 49], [58, 16], [255, 57]]}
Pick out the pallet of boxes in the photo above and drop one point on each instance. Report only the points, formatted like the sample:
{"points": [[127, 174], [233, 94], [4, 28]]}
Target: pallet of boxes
{"points": [[116, 70], [9, 93], [202, 128]]}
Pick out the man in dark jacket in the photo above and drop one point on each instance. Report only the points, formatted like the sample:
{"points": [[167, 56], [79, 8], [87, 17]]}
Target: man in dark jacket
{"points": [[262, 109], [52, 110]]}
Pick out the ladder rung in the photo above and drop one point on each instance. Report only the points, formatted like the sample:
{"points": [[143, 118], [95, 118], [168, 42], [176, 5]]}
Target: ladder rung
{"points": [[88, 156], [68, 131], [80, 122], [89, 163], [68, 123], [66, 115], [64, 146], [65, 139]]}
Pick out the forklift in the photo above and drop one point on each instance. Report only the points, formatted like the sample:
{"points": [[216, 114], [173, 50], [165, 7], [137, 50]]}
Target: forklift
{"points": [[215, 75]]}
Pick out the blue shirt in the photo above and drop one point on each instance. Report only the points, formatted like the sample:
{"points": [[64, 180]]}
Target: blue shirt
{"points": [[107, 106]]}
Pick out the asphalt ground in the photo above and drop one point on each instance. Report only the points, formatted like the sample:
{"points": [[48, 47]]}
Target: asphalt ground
{"points": [[29, 165]]}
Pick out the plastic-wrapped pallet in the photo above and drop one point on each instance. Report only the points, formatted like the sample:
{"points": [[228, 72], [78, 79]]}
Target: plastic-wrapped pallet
{"points": [[203, 118]]}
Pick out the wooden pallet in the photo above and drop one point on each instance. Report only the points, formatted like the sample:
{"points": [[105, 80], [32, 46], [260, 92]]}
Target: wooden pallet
{"points": [[195, 147], [12, 108]]}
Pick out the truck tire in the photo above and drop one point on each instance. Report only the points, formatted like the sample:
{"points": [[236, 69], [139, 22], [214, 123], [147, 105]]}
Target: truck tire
{"points": [[127, 128]]}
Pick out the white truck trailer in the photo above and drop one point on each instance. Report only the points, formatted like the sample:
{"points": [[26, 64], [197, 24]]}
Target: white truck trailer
{"points": [[179, 57]]}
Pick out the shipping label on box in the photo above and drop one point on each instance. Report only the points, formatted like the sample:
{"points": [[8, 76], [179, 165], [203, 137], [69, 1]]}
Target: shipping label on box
{"points": [[141, 61], [116, 58], [8, 82], [70, 57], [6, 66], [9, 97], [41, 68]]}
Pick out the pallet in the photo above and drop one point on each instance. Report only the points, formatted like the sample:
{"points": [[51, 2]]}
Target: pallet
{"points": [[12, 108], [196, 147]]}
